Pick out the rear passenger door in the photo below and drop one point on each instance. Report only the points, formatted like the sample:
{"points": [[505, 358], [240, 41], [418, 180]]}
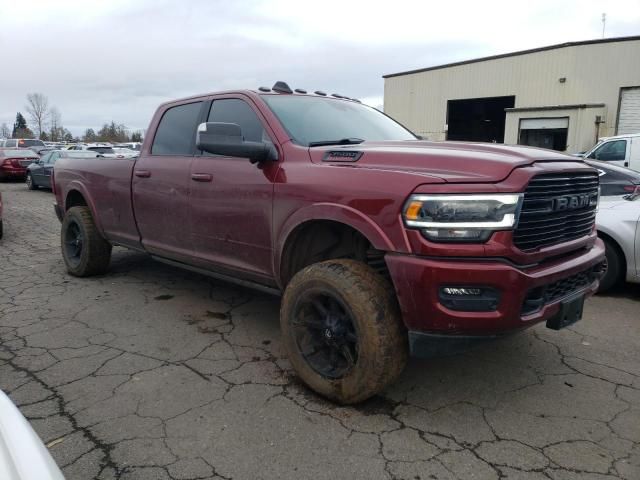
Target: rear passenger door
{"points": [[231, 199], [161, 183]]}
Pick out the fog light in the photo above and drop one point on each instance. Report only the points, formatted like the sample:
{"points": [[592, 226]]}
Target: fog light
{"points": [[456, 235], [462, 291], [469, 298]]}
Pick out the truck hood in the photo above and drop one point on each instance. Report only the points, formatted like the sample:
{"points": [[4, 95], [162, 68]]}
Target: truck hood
{"points": [[455, 162]]}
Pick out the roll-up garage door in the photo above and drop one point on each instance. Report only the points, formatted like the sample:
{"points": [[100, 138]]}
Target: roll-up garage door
{"points": [[629, 114]]}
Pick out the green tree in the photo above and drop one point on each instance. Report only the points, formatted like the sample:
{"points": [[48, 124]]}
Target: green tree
{"points": [[136, 137], [113, 132], [89, 136], [20, 129], [68, 137]]}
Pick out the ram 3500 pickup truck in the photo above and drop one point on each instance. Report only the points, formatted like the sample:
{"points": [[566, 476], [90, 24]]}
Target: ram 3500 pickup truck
{"points": [[381, 244]]}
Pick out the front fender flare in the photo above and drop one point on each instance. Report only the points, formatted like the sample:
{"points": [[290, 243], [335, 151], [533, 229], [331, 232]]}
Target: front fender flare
{"points": [[333, 212]]}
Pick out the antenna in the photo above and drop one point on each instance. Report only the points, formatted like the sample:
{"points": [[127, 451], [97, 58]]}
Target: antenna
{"points": [[604, 23]]}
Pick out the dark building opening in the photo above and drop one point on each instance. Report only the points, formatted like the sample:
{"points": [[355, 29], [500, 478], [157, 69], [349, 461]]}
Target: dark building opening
{"points": [[478, 119], [548, 133]]}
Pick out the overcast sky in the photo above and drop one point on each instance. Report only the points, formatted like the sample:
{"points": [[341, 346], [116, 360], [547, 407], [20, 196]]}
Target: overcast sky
{"points": [[99, 61]]}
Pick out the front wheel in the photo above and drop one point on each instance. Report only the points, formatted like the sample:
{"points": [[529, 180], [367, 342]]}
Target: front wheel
{"points": [[84, 251], [615, 267], [31, 185], [342, 330]]}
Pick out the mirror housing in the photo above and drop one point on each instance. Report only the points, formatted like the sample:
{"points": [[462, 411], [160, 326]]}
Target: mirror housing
{"points": [[226, 139]]}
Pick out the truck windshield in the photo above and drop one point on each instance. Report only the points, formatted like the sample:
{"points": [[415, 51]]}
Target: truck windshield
{"points": [[321, 120]]}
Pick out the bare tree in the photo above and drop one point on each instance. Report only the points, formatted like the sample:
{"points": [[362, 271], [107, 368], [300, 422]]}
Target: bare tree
{"points": [[57, 130], [38, 109], [5, 131]]}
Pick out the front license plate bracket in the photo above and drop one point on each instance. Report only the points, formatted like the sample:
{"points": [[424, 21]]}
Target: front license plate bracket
{"points": [[570, 312]]}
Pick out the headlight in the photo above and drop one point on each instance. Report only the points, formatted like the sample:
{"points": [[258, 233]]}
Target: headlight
{"points": [[462, 218]]}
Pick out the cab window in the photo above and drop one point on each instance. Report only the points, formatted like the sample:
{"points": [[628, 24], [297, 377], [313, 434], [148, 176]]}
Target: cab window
{"points": [[234, 110], [176, 131], [611, 151]]}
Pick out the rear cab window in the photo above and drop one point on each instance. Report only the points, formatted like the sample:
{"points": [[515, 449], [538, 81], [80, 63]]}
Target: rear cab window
{"points": [[176, 131]]}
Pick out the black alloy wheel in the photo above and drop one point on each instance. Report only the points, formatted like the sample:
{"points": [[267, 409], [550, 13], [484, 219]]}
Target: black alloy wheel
{"points": [[73, 243], [325, 333]]}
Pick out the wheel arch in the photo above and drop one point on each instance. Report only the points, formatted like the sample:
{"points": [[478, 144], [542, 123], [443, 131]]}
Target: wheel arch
{"points": [[77, 196], [611, 240], [315, 221]]}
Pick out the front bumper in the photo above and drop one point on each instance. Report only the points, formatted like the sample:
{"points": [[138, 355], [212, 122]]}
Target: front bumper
{"points": [[417, 281]]}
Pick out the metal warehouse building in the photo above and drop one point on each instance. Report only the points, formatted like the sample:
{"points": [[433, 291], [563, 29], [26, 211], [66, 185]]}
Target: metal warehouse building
{"points": [[563, 96]]}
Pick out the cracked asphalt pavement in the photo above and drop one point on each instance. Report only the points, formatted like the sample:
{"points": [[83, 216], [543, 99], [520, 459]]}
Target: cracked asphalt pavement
{"points": [[151, 372]]}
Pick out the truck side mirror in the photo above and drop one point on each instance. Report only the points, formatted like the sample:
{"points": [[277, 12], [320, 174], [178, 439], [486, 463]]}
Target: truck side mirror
{"points": [[226, 139]]}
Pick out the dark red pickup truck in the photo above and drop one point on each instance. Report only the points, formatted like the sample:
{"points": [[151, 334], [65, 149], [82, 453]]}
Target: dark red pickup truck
{"points": [[381, 243]]}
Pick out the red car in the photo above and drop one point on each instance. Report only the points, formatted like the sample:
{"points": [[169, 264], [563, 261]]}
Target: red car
{"points": [[14, 162], [379, 243]]}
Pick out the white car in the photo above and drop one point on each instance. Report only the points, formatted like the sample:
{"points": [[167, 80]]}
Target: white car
{"points": [[618, 224], [122, 152], [22, 454]]}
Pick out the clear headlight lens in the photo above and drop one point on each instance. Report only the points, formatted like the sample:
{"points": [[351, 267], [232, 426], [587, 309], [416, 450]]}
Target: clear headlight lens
{"points": [[462, 218]]}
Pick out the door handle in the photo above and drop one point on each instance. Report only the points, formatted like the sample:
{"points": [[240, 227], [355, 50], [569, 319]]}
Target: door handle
{"points": [[142, 173], [201, 177]]}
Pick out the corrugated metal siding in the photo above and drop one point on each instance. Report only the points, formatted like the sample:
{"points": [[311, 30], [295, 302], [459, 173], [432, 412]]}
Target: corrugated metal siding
{"points": [[594, 74]]}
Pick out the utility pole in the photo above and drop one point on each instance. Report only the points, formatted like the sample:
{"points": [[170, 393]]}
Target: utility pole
{"points": [[604, 23]]}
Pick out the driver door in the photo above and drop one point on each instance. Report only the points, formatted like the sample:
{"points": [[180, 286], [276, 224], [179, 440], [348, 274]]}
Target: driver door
{"points": [[231, 200]]}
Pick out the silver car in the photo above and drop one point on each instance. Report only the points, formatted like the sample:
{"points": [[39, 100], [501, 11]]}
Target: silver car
{"points": [[618, 224]]}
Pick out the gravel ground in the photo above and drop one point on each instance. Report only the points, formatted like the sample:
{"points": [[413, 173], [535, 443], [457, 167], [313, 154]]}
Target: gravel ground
{"points": [[151, 372]]}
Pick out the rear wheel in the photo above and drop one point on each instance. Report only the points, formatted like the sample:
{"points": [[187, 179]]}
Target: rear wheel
{"points": [[84, 251], [31, 185], [615, 267], [342, 330]]}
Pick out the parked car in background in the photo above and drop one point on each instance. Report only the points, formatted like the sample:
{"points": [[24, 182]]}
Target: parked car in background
{"points": [[14, 162], [105, 150], [621, 150], [615, 180], [23, 143], [23, 456], [122, 152], [132, 145], [39, 172], [618, 224]]}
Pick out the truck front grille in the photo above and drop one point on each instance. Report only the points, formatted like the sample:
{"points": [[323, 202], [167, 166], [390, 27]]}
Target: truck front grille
{"points": [[557, 208]]}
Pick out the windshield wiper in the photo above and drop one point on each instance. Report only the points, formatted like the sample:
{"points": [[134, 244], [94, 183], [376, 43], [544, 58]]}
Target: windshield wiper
{"points": [[343, 141]]}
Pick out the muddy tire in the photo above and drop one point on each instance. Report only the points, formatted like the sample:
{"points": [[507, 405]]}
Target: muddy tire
{"points": [[615, 267], [342, 330], [85, 252]]}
